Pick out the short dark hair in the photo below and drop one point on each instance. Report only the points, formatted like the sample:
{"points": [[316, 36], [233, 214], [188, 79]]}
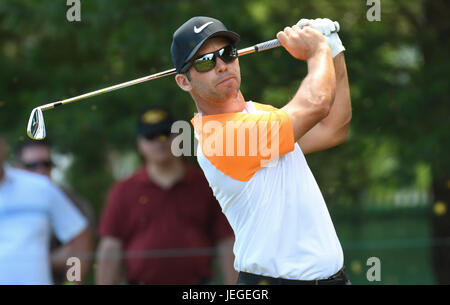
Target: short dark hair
{"points": [[30, 143]]}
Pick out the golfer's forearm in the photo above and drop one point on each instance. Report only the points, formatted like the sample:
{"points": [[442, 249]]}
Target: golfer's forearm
{"points": [[320, 83], [340, 113], [317, 90], [311, 103]]}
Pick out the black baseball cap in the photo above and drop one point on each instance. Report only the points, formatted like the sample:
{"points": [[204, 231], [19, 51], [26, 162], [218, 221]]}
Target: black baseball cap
{"points": [[154, 121], [191, 36]]}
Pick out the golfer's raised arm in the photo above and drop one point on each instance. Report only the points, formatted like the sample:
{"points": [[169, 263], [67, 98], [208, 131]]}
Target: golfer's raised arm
{"points": [[313, 99], [333, 129]]}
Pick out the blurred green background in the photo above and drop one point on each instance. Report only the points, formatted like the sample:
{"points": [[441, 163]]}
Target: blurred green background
{"points": [[387, 187]]}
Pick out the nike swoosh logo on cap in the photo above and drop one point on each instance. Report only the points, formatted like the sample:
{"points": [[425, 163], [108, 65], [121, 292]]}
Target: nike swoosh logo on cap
{"points": [[198, 30]]}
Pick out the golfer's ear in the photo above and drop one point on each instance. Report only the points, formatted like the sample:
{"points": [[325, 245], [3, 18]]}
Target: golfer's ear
{"points": [[183, 82]]}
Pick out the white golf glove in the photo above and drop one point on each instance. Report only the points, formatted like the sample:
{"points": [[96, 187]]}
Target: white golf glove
{"points": [[326, 27]]}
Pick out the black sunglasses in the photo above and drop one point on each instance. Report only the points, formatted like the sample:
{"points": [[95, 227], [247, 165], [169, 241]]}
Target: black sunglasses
{"points": [[207, 62], [37, 164], [153, 136]]}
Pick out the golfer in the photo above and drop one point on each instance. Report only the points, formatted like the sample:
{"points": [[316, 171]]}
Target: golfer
{"points": [[252, 154]]}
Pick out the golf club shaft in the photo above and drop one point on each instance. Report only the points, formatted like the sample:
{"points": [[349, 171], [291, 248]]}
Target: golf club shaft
{"points": [[108, 89], [256, 48], [263, 46]]}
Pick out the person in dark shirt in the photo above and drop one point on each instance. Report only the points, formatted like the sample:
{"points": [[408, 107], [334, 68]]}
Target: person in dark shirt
{"points": [[163, 224]]}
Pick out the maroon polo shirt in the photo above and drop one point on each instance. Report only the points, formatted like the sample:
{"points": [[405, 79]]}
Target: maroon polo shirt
{"points": [[164, 233]]}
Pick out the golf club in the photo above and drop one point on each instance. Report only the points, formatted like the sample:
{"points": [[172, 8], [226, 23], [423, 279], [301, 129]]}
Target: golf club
{"points": [[36, 124]]}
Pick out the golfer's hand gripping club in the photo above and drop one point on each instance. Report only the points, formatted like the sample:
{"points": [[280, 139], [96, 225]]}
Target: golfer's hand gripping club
{"points": [[329, 30], [36, 124], [275, 43]]}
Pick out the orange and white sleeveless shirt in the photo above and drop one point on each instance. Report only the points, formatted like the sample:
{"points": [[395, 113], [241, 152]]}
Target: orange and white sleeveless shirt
{"points": [[265, 188]]}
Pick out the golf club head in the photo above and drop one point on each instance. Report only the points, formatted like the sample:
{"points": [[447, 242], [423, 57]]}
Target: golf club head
{"points": [[36, 125]]}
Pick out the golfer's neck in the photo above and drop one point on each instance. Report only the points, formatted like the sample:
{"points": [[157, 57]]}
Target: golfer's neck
{"points": [[234, 104]]}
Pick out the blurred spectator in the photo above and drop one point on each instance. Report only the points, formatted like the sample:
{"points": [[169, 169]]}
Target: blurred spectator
{"points": [[163, 221], [36, 156], [31, 206]]}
